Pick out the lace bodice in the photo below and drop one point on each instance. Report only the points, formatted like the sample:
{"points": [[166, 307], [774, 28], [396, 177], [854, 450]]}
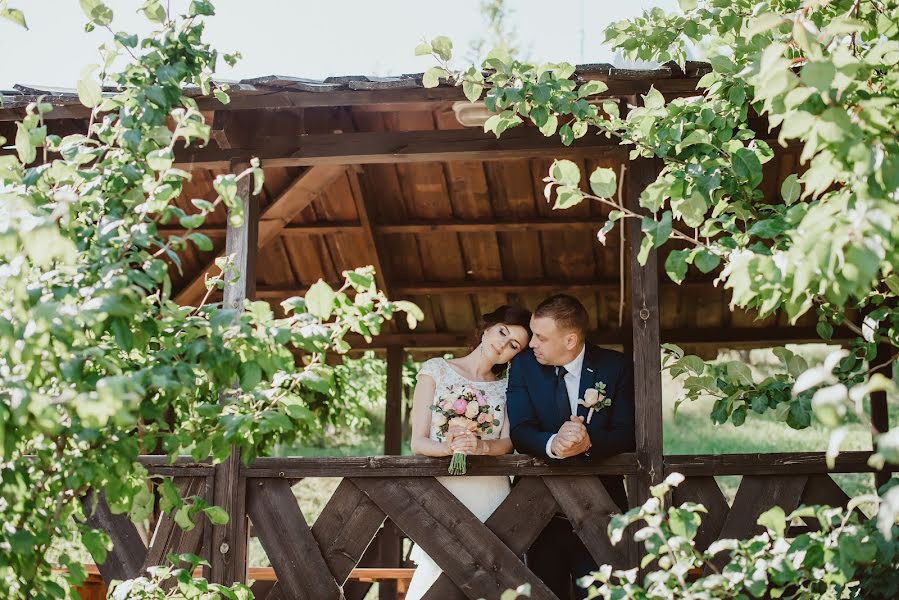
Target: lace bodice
{"points": [[446, 376]]}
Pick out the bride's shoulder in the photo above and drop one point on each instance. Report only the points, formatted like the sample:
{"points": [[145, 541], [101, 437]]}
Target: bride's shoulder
{"points": [[433, 367]]}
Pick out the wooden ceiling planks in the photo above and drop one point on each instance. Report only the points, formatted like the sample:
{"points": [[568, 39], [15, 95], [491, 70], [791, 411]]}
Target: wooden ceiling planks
{"points": [[471, 199], [427, 197]]}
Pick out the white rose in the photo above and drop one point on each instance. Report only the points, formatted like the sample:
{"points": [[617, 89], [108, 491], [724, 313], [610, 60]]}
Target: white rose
{"points": [[472, 411], [438, 420], [591, 397]]}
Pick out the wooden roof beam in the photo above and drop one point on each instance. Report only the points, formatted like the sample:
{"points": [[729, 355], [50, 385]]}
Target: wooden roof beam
{"points": [[363, 202], [298, 195], [414, 227], [438, 145]]}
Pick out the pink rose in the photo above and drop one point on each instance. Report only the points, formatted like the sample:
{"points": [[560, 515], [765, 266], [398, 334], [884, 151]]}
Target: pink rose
{"points": [[459, 406], [482, 418], [481, 400]]}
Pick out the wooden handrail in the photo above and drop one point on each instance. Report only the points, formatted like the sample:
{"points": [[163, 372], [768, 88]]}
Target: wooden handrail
{"points": [[785, 463]]}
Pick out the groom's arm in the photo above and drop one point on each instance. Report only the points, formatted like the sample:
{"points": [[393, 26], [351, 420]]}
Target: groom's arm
{"points": [[524, 427], [620, 435]]}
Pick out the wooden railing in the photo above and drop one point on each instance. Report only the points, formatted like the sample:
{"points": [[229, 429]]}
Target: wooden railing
{"points": [[478, 559]]}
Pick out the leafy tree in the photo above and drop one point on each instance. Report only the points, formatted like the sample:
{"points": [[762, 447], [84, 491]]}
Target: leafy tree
{"points": [[98, 363]]}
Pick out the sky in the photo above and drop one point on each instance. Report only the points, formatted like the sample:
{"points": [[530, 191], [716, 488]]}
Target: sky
{"points": [[305, 38]]}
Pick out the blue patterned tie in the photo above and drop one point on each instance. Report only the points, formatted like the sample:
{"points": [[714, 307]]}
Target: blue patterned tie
{"points": [[562, 394]]}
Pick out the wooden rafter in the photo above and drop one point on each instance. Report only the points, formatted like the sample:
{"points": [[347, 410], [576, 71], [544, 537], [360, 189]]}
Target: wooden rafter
{"points": [[363, 202], [272, 221]]}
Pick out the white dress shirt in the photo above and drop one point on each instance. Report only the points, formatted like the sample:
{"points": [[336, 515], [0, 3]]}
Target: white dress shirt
{"points": [[572, 383]]}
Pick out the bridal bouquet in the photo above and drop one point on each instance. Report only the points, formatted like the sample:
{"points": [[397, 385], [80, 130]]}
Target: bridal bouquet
{"points": [[463, 406]]}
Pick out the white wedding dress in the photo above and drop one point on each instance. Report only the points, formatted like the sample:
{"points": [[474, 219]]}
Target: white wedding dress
{"points": [[481, 494]]}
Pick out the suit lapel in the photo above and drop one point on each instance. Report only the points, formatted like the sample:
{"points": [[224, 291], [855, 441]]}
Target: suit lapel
{"points": [[588, 378]]}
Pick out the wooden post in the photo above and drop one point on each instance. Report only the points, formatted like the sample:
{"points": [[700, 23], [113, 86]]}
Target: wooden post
{"points": [[228, 560], [393, 413], [644, 302], [880, 417], [391, 541]]}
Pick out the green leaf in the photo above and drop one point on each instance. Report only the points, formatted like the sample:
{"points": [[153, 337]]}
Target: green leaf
{"points": [[687, 5], [658, 231], [443, 47], [97, 543], [24, 147], [790, 189], [141, 504], [96, 11], [250, 374], [603, 182], [320, 300], [774, 520], [160, 160], [566, 134], [216, 515], [15, 15], [423, 49], [565, 172], [414, 314], [676, 265], [472, 90], [155, 11], [747, 166], [221, 95], [818, 75], [691, 209], [567, 196], [549, 127], [706, 261], [89, 91], [591, 88], [432, 76], [654, 99]]}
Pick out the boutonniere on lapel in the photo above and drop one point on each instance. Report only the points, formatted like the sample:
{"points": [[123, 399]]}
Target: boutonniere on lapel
{"points": [[595, 399]]}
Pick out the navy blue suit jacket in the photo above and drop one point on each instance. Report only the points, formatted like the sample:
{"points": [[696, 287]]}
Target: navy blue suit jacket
{"points": [[534, 415]]}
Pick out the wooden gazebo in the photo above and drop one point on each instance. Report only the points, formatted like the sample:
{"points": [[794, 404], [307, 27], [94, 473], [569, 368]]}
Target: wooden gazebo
{"points": [[364, 170]]}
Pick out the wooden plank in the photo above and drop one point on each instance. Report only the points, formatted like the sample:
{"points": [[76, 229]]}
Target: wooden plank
{"points": [[644, 303], [278, 214], [362, 200], [418, 227], [822, 489], [423, 466], [400, 147], [758, 493], [128, 553], [590, 508], [228, 563], [705, 491], [345, 528], [288, 542], [477, 561], [530, 497], [782, 463], [169, 537], [880, 414]]}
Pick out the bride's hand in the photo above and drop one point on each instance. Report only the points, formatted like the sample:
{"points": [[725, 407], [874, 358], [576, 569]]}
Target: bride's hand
{"points": [[465, 442]]}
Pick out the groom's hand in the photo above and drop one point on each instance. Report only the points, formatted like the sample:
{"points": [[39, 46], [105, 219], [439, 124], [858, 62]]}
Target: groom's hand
{"points": [[572, 438]]}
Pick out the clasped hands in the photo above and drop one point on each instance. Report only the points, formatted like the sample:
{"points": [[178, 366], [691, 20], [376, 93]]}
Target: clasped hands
{"points": [[460, 439], [572, 438]]}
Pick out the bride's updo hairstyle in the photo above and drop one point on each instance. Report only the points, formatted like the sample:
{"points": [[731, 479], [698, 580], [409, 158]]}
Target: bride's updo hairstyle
{"points": [[506, 315]]}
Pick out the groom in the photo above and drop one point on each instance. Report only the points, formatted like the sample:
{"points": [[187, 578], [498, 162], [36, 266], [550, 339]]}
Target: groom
{"points": [[546, 382]]}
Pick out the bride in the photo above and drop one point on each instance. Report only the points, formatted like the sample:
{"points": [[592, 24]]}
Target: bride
{"points": [[503, 333]]}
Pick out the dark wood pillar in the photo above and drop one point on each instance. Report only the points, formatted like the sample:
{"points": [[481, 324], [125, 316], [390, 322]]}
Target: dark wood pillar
{"points": [[228, 560], [644, 313], [880, 416]]}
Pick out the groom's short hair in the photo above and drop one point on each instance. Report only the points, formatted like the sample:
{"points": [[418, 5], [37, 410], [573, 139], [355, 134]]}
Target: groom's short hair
{"points": [[567, 311]]}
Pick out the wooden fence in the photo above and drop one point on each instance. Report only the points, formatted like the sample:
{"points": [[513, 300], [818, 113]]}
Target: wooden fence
{"points": [[315, 560]]}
